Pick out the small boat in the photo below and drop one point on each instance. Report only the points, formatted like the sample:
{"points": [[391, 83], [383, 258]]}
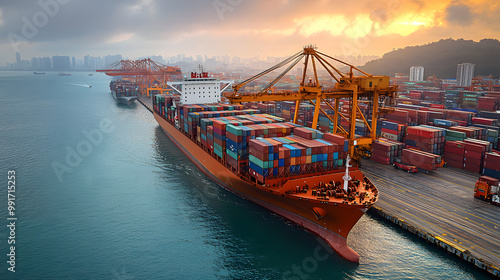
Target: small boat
{"points": [[38, 73], [90, 85], [63, 74], [91, 74]]}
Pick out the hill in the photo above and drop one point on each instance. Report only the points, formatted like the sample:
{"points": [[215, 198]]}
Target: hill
{"points": [[440, 58]]}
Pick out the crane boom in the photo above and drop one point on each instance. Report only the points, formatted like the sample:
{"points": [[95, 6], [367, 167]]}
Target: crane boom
{"points": [[347, 86]]}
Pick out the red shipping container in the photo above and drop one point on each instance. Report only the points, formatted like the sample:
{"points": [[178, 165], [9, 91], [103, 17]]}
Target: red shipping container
{"points": [[456, 164], [458, 144], [381, 159], [421, 131], [472, 161], [473, 154], [474, 147], [492, 161], [473, 168], [453, 150], [382, 153], [453, 157]]}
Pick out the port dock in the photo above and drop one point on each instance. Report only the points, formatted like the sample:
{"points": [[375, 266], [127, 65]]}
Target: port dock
{"points": [[438, 207], [146, 102]]}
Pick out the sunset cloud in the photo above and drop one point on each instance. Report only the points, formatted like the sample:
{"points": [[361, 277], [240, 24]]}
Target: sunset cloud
{"points": [[138, 28]]}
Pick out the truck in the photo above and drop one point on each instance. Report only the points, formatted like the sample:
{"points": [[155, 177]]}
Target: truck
{"points": [[405, 167], [487, 188]]}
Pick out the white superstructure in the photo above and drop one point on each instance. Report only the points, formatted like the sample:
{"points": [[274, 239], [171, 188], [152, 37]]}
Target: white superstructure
{"points": [[200, 88]]}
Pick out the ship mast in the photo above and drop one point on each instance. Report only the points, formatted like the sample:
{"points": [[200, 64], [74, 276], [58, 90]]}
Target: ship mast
{"points": [[346, 177]]}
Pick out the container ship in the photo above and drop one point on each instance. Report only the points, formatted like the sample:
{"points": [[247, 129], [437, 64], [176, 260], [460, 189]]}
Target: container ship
{"points": [[297, 172], [124, 91]]}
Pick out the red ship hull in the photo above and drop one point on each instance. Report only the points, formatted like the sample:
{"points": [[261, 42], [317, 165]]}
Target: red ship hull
{"points": [[333, 223]]}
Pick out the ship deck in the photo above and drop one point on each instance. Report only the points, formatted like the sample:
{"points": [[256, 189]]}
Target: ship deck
{"points": [[440, 207]]}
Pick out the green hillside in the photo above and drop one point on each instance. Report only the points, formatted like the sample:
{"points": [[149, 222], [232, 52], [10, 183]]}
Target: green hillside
{"points": [[440, 58]]}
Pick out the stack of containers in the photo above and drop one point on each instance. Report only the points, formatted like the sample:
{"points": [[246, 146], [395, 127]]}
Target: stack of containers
{"points": [[424, 117], [425, 139], [392, 130], [490, 115], [361, 128], [398, 116], [451, 98], [454, 152], [290, 156], [423, 161], [472, 132], [324, 123], [464, 118], [474, 154], [433, 96], [449, 135], [386, 151], [263, 154], [444, 123], [452, 135], [339, 140], [486, 103], [492, 137], [219, 133], [485, 121], [492, 165], [237, 139], [413, 115], [308, 133], [469, 99]]}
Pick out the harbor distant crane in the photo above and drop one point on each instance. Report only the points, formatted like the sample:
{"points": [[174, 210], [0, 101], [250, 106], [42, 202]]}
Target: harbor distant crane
{"points": [[146, 73], [376, 89]]}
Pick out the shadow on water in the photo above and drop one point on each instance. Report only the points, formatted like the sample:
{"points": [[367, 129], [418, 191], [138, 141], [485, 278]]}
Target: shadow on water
{"points": [[250, 241]]}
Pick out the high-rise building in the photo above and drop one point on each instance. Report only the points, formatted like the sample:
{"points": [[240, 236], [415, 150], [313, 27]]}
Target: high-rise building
{"points": [[465, 72], [416, 73], [18, 58], [61, 62], [112, 59]]}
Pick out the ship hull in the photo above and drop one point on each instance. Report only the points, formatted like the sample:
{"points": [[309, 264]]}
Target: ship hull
{"points": [[333, 227], [127, 100]]}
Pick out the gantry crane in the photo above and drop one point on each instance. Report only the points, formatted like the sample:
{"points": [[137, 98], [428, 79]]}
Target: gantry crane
{"points": [[373, 88], [146, 73]]}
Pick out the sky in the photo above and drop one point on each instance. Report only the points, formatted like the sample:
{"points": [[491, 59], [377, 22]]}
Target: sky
{"points": [[245, 28]]}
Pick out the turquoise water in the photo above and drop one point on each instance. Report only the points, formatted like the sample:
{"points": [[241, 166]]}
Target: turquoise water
{"points": [[102, 193]]}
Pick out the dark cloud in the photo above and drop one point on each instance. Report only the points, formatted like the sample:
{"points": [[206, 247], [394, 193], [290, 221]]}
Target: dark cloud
{"points": [[460, 14], [235, 27]]}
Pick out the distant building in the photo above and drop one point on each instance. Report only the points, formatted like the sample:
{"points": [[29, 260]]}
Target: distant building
{"points": [[465, 72], [111, 59], [61, 62], [18, 58], [416, 74]]}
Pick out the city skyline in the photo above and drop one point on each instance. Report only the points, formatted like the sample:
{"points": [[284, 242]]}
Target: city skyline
{"points": [[235, 27]]}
